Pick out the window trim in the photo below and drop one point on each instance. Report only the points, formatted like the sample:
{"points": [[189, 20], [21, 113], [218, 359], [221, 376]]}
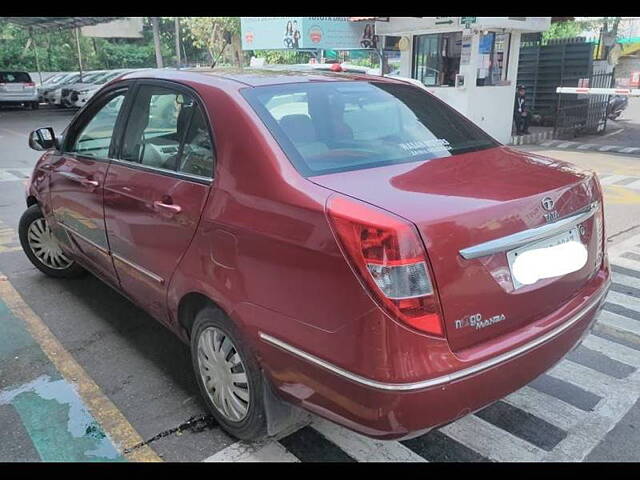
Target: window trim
{"points": [[79, 122], [162, 171]]}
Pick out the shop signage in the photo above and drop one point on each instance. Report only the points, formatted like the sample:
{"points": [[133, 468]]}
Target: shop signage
{"points": [[467, 21]]}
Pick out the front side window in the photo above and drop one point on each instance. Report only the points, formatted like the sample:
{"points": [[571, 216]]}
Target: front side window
{"points": [[94, 139], [339, 126]]}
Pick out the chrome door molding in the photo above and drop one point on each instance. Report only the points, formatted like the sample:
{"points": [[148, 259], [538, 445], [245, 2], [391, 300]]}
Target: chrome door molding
{"points": [[140, 269]]}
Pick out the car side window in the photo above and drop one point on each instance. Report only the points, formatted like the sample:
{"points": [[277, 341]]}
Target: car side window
{"points": [[197, 155], [157, 125], [94, 139]]}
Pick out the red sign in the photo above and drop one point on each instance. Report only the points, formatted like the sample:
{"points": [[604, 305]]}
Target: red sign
{"points": [[249, 37], [315, 34]]}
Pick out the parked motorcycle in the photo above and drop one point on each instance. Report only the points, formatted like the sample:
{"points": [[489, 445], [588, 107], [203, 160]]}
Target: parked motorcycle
{"points": [[617, 104]]}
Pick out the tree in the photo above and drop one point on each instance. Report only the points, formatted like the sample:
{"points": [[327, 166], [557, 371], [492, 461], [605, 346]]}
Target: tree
{"points": [[208, 33]]}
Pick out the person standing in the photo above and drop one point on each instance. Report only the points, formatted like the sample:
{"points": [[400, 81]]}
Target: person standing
{"points": [[521, 112]]}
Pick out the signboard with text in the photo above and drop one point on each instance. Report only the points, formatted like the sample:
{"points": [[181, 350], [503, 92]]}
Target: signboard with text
{"points": [[274, 33]]}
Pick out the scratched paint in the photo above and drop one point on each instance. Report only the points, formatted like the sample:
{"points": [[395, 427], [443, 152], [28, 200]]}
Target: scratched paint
{"points": [[58, 423]]}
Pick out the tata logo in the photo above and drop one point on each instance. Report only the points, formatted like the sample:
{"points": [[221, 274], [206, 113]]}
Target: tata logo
{"points": [[548, 203]]}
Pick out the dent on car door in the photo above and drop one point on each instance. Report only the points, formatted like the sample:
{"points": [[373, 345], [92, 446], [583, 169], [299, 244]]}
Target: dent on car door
{"points": [[155, 191], [77, 182]]}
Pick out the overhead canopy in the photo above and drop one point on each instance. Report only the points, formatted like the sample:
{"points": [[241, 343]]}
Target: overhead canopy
{"points": [[47, 24]]}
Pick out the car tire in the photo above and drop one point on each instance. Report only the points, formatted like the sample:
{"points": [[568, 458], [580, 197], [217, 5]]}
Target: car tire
{"points": [[213, 326], [33, 227], [35, 106]]}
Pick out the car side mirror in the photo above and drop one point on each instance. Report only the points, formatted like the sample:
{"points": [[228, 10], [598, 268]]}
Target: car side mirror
{"points": [[43, 139]]}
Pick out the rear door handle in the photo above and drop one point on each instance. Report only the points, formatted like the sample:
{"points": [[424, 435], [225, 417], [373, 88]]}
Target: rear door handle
{"points": [[174, 209]]}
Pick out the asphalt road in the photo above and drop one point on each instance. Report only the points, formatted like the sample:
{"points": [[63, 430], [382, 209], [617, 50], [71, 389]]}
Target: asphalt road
{"points": [[79, 364]]}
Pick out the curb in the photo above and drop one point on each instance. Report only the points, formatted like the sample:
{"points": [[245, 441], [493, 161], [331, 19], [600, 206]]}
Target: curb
{"points": [[531, 139], [594, 147]]}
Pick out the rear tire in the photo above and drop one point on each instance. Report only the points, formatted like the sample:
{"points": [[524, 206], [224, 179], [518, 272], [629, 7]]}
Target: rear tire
{"points": [[228, 375], [42, 248], [35, 106]]}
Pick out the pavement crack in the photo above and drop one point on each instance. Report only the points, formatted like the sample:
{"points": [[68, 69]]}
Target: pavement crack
{"points": [[195, 424]]}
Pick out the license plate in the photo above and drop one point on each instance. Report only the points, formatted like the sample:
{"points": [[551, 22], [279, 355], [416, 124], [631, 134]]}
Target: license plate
{"points": [[565, 237]]}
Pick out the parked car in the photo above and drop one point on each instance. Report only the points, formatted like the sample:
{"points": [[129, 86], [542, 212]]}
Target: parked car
{"points": [[346, 243], [87, 80], [53, 95], [80, 94], [17, 88], [49, 83]]}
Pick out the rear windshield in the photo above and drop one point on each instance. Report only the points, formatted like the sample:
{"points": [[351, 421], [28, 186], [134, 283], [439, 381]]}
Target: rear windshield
{"points": [[329, 127], [14, 77]]}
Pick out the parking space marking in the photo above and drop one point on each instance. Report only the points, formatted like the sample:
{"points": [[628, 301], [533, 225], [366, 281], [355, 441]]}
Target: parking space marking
{"points": [[16, 174], [547, 407], [101, 408]]}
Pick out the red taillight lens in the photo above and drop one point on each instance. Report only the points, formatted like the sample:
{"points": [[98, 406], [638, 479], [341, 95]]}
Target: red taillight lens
{"points": [[388, 254], [30, 84]]}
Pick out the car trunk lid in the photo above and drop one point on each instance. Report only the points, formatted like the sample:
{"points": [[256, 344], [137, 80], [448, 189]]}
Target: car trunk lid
{"points": [[466, 200]]}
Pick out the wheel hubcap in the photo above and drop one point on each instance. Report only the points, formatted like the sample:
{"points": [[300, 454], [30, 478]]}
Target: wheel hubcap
{"points": [[45, 246], [223, 374]]}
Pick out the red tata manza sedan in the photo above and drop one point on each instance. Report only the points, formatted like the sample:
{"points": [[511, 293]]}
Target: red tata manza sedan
{"points": [[345, 243]]}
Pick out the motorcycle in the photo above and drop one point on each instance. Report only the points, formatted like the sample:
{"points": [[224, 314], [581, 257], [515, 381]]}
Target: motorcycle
{"points": [[617, 104]]}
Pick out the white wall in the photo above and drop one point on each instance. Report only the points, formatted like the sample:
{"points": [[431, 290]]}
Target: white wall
{"points": [[490, 107]]}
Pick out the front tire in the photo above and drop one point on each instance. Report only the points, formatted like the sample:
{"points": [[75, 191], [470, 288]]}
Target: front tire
{"points": [[42, 248], [228, 375]]}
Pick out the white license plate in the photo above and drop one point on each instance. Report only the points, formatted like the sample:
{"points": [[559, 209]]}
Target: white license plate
{"points": [[566, 237]]}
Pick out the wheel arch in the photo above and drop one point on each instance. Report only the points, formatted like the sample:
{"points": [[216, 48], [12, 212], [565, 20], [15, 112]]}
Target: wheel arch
{"points": [[31, 201], [190, 304]]}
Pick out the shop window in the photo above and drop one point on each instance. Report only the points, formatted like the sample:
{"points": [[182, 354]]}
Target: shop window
{"points": [[436, 58], [493, 59]]}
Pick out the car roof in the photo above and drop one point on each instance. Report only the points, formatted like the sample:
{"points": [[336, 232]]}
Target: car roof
{"points": [[255, 77]]}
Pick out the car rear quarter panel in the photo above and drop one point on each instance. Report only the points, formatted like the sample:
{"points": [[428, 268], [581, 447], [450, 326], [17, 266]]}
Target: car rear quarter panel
{"points": [[265, 254]]}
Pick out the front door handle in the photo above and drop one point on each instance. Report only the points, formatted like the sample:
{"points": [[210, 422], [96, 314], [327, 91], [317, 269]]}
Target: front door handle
{"points": [[173, 209], [89, 183]]}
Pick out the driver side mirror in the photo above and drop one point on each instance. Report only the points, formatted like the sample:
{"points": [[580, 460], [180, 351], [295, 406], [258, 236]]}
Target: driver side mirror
{"points": [[43, 139]]}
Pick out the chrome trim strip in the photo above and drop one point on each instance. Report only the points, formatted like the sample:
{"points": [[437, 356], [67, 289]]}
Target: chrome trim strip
{"points": [[140, 269], [445, 378], [90, 242], [527, 236]]}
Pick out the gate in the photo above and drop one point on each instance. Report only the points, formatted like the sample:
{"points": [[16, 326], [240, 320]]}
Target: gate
{"points": [[578, 114]]}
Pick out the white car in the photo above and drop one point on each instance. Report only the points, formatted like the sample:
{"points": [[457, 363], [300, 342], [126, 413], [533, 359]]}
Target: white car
{"points": [[80, 94]]}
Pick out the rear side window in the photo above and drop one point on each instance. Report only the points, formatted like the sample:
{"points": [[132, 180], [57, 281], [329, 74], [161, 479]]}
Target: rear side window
{"points": [[15, 77], [167, 130], [339, 126]]}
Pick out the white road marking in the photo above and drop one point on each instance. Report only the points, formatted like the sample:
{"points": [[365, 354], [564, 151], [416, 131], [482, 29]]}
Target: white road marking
{"points": [[612, 179], [365, 449], [612, 321], [626, 280], [583, 377], [269, 451], [546, 407], [625, 300], [613, 350], [490, 441]]}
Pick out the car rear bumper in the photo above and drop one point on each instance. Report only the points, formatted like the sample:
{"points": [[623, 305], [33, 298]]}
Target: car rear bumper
{"points": [[392, 411], [19, 98]]}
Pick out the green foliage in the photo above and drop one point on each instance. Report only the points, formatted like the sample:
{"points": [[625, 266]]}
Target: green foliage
{"points": [[563, 30], [282, 57]]}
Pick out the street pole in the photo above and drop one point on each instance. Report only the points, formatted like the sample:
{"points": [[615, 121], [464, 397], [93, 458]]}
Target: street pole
{"points": [[156, 41], [35, 49], [78, 49], [177, 25]]}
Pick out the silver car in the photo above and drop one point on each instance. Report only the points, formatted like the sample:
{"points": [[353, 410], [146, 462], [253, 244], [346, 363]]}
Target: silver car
{"points": [[17, 88]]}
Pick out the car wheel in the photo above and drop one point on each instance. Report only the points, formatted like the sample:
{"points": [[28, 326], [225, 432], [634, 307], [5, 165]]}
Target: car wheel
{"points": [[228, 375], [35, 106], [42, 248]]}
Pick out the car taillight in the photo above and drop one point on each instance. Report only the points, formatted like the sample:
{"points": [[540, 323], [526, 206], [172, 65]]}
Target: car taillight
{"points": [[387, 252], [30, 84]]}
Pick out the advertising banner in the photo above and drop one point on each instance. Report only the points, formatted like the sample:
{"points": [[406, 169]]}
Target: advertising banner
{"points": [[273, 33]]}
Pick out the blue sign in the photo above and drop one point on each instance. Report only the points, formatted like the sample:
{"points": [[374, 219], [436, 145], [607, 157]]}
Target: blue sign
{"points": [[273, 33]]}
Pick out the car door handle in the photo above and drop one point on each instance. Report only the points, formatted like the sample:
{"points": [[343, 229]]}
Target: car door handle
{"points": [[174, 209], [89, 183]]}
